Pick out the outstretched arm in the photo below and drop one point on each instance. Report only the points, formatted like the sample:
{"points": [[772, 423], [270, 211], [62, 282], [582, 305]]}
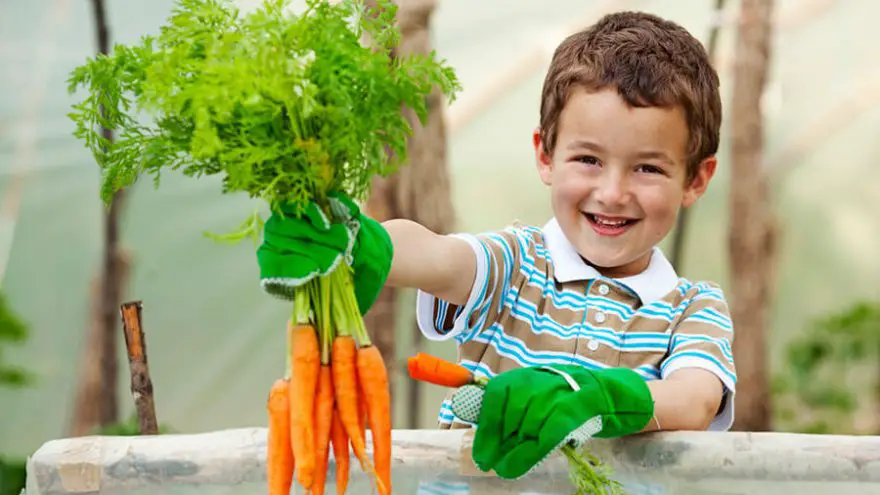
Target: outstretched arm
{"points": [[688, 399], [441, 265]]}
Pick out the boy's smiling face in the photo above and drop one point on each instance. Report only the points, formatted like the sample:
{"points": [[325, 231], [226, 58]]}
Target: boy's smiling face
{"points": [[618, 178]]}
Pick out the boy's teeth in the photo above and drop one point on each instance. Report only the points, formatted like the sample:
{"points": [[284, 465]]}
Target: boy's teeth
{"points": [[608, 222]]}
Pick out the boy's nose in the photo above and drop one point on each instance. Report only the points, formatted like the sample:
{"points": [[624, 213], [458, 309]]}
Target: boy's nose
{"points": [[612, 190]]}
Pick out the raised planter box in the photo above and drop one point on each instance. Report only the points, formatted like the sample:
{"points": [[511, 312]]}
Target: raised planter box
{"points": [[233, 461]]}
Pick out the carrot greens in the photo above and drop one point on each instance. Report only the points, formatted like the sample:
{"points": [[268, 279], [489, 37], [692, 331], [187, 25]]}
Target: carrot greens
{"points": [[282, 106]]}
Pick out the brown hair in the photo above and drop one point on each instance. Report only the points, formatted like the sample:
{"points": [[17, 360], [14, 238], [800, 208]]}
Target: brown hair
{"points": [[651, 62]]}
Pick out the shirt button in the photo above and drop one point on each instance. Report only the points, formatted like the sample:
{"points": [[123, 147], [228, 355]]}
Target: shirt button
{"points": [[603, 289], [600, 317], [593, 345]]}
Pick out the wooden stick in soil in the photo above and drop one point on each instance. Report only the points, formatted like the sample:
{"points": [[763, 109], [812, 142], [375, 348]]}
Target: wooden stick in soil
{"points": [[141, 384]]}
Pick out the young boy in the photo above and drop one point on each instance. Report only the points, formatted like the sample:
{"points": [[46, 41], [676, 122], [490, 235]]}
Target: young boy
{"points": [[583, 317]]}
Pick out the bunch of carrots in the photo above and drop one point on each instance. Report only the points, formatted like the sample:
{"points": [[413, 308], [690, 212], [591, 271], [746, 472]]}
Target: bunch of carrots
{"points": [[283, 105], [335, 386]]}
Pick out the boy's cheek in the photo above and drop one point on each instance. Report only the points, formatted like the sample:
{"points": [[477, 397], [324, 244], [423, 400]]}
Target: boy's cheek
{"points": [[569, 188], [665, 213], [662, 201]]}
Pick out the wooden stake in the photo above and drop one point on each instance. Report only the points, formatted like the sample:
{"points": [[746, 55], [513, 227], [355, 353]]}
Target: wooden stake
{"points": [[141, 385]]}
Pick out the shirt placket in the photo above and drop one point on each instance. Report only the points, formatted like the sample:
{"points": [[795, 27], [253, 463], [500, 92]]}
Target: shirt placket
{"points": [[588, 344]]}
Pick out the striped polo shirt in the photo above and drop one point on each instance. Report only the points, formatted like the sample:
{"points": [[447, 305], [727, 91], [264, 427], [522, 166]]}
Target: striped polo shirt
{"points": [[535, 302]]}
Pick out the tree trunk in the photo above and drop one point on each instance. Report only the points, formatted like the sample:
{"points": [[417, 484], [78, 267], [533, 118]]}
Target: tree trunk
{"points": [[104, 338], [753, 230], [88, 409], [111, 298], [420, 191]]}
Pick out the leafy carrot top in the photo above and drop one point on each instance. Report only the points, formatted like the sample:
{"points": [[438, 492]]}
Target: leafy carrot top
{"points": [[282, 106]]}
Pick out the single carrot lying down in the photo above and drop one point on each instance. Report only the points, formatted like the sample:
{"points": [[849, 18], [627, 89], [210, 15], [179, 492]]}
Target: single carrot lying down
{"points": [[431, 369], [279, 456]]}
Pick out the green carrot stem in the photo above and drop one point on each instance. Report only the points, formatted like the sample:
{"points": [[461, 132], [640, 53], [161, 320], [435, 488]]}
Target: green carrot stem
{"points": [[337, 307], [480, 381], [324, 302], [588, 474], [350, 307], [341, 321], [301, 306], [313, 286], [317, 315]]}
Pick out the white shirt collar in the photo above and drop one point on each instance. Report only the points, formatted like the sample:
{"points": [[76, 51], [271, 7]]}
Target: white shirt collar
{"points": [[652, 284]]}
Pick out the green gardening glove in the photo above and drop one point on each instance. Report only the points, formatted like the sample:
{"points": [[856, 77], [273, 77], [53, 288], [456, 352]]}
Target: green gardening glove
{"points": [[296, 249], [525, 414]]}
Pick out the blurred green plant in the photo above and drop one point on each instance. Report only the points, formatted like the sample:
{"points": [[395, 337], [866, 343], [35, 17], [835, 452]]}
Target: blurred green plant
{"points": [[12, 475], [129, 427], [12, 331], [833, 371]]}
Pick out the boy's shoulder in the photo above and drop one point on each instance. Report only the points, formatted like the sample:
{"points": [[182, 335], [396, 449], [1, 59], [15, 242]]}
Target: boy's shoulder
{"points": [[694, 295], [702, 288], [515, 241], [516, 231]]}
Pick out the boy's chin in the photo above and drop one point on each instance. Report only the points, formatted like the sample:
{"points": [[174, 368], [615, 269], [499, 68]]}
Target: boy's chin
{"points": [[614, 265], [603, 262]]}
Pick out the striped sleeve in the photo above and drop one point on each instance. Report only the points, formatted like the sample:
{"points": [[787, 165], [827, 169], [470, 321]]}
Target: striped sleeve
{"points": [[703, 339], [498, 257]]}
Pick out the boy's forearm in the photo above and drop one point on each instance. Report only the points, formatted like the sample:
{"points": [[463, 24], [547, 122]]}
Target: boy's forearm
{"points": [[440, 265], [687, 400]]}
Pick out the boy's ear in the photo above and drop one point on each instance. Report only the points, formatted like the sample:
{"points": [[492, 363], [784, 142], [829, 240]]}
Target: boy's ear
{"points": [[698, 185], [542, 160]]}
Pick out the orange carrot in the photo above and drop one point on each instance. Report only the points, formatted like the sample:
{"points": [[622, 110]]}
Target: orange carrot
{"points": [[305, 367], [356, 374], [339, 439], [362, 411], [324, 407], [279, 456], [373, 378], [344, 365], [427, 368]]}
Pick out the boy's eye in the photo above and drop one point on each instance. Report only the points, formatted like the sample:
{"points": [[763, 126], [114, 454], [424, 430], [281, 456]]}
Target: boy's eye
{"points": [[651, 169], [587, 160]]}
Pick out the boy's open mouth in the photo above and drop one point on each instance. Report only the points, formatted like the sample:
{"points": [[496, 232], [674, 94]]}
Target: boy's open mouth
{"points": [[609, 225]]}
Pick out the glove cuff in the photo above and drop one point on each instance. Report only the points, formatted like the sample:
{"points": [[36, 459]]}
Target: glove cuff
{"points": [[630, 404], [277, 282], [370, 259]]}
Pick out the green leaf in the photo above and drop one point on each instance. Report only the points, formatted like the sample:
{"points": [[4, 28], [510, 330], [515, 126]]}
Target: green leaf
{"points": [[12, 331], [12, 328]]}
